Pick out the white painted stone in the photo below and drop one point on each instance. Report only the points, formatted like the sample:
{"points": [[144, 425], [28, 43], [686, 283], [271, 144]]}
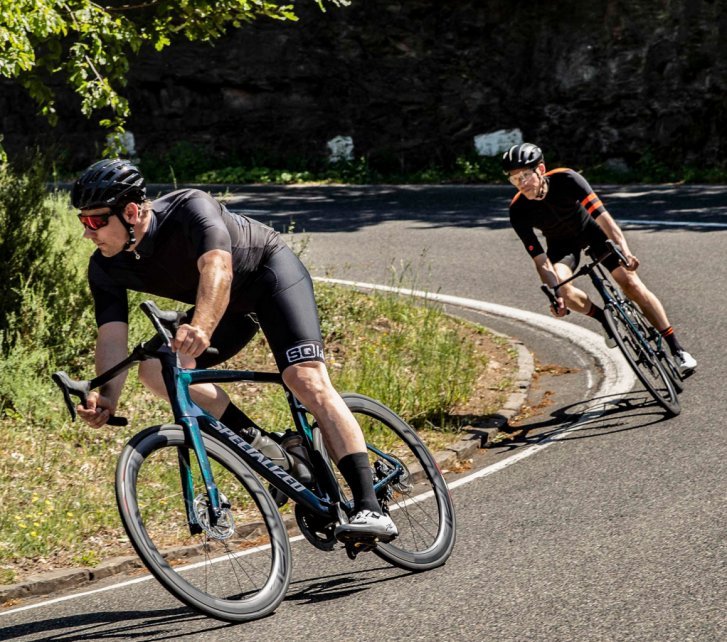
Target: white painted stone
{"points": [[340, 148], [497, 142]]}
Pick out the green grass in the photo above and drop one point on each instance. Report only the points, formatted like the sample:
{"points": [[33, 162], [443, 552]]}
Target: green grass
{"points": [[56, 477]]}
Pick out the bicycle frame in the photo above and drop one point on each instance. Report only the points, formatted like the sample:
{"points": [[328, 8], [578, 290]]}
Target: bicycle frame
{"points": [[598, 277], [194, 420]]}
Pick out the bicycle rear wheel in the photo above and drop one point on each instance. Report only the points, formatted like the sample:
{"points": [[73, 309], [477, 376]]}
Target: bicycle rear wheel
{"points": [[236, 570], [418, 501], [624, 324]]}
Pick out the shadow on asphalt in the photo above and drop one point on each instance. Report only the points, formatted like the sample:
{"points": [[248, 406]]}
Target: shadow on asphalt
{"points": [[161, 624], [111, 625], [333, 208], [613, 419], [333, 587]]}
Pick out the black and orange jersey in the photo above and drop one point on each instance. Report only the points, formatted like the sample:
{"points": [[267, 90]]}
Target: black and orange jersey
{"points": [[569, 208]]}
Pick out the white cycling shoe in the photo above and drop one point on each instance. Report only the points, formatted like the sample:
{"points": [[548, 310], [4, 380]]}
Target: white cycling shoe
{"points": [[686, 363], [367, 524]]}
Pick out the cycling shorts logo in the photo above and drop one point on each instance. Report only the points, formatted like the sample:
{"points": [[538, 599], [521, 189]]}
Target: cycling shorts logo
{"points": [[305, 352]]}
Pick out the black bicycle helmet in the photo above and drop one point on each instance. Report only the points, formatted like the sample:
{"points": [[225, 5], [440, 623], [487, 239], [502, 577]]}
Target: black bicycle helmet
{"points": [[108, 183], [521, 156]]}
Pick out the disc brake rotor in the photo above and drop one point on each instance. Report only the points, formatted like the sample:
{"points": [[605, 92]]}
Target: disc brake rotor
{"points": [[225, 526], [402, 483]]}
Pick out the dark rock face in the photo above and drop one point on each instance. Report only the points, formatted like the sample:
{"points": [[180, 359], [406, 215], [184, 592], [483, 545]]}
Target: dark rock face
{"points": [[413, 82]]}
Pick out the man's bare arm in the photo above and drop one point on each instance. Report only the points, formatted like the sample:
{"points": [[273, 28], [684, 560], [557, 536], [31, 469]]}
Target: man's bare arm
{"points": [[213, 296], [613, 231], [111, 347]]}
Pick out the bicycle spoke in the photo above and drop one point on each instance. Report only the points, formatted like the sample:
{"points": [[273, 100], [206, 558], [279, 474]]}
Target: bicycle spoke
{"points": [[630, 335], [236, 569], [426, 525]]}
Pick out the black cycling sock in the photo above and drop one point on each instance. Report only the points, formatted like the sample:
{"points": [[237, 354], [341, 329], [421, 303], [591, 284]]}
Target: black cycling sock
{"points": [[356, 471], [238, 421], [671, 339], [597, 313]]}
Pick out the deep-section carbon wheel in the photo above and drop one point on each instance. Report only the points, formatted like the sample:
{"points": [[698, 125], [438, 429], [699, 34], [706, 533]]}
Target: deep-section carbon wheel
{"points": [[660, 349], [417, 498], [624, 322], [235, 568]]}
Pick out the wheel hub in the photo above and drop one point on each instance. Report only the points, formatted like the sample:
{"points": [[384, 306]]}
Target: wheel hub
{"points": [[224, 528]]}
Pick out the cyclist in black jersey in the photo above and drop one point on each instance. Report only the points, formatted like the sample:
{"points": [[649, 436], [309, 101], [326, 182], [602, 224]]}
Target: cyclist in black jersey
{"points": [[236, 273], [570, 215]]}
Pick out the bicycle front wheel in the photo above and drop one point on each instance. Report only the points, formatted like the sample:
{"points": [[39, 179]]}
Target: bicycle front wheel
{"points": [[624, 324], [661, 351], [418, 500], [236, 569]]}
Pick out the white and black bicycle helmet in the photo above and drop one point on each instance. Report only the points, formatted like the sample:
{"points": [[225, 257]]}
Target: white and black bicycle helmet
{"points": [[521, 156]]}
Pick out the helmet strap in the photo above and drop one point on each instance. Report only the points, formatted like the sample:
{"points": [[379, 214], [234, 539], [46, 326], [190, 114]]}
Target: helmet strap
{"points": [[129, 229], [543, 190]]}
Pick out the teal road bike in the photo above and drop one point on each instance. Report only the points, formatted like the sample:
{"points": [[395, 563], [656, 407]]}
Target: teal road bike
{"points": [[195, 498], [641, 344]]}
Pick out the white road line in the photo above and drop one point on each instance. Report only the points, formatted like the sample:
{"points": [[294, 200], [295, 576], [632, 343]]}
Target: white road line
{"points": [[635, 222], [618, 380], [647, 223]]}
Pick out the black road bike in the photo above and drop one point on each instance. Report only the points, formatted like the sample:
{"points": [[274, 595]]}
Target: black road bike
{"points": [[641, 344], [193, 499]]}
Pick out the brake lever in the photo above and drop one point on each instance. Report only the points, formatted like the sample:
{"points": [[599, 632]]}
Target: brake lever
{"points": [[552, 298], [617, 251], [80, 389], [166, 323]]}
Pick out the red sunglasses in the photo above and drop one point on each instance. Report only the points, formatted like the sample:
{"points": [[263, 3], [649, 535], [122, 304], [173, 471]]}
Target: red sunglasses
{"points": [[95, 221]]}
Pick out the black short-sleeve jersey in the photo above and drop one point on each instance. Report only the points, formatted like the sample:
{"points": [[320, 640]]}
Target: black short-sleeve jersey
{"points": [[568, 210], [184, 225]]}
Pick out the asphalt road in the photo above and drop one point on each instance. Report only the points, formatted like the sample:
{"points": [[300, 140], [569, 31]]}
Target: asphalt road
{"points": [[614, 532]]}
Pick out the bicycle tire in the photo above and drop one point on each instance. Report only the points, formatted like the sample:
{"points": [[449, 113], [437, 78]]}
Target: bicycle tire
{"points": [[426, 527], [657, 346], [250, 577], [641, 358]]}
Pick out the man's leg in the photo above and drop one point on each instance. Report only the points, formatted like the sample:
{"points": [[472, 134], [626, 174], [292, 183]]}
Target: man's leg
{"points": [[208, 395], [577, 300], [633, 287], [310, 383]]}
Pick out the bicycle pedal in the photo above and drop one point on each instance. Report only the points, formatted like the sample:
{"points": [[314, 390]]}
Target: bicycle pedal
{"points": [[353, 548]]}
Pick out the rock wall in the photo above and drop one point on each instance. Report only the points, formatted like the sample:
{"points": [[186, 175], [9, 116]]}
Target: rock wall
{"points": [[413, 82]]}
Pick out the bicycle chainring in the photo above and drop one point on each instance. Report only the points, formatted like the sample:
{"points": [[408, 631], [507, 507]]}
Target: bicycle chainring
{"points": [[316, 530]]}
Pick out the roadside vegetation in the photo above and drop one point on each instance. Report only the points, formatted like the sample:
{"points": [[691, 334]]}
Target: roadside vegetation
{"points": [[56, 476], [186, 162]]}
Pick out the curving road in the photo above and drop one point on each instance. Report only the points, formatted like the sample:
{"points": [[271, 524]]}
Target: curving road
{"points": [[615, 531]]}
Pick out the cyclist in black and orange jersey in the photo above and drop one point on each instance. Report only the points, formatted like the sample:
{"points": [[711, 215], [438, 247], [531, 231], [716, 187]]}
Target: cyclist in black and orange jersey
{"points": [[563, 206], [238, 275]]}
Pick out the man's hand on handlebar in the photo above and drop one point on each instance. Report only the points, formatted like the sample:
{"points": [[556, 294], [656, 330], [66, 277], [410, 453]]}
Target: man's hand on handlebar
{"points": [[632, 263], [560, 309], [190, 340], [98, 410]]}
